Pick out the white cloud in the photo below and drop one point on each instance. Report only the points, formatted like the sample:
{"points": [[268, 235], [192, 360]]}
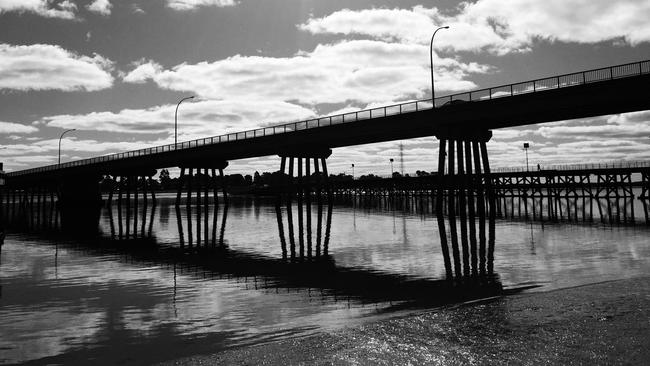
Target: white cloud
{"points": [[193, 4], [136, 9], [102, 7], [195, 119], [49, 67], [363, 71], [11, 128], [46, 8], [497, 26], [143, 71], [619, 126]]}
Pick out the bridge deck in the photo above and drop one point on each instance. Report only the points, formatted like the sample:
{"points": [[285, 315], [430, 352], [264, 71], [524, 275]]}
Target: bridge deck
{"points": [[616, 89]]}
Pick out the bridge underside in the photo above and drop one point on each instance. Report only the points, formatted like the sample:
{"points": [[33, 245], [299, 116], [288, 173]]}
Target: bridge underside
{"points": [[588, 100]]}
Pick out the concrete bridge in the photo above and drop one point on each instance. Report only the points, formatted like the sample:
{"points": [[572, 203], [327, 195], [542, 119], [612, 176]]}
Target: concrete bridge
{"points": [[462, 122]]}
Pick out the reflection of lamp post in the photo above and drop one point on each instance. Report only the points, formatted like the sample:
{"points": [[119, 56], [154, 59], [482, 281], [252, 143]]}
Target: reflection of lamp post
{"points": [[352, 171], [64, 132], [176, 120], [391, 167], [526, 146], [433, 94]]}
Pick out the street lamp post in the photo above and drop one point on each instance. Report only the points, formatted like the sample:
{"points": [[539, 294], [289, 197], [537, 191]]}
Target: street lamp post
{"points": [[526, 146], [61, 137], [433, 94], [352, 171], [176, 120], [391, 167]]}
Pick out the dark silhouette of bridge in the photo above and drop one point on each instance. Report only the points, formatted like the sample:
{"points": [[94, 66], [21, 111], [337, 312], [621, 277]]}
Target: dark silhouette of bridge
{"points": [[462, 122], [610, 90]]}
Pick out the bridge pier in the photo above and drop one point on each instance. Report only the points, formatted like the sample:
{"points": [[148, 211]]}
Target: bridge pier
{"points": [[131, 220], [468, 155], [306, 188], [199, 178]]}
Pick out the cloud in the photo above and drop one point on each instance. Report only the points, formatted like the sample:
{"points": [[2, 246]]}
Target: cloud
{"points": [[195, 119], [143, 71], [634, 125], [12, 128], [363, 71], [46, 8], [497, 26], [50, 67], [102, 7], [136, 9], [184, 5]]}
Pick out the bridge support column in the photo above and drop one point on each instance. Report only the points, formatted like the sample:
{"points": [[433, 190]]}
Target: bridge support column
{"points": [[199, 177], [132, 224], [467, 178], [307, 189]]}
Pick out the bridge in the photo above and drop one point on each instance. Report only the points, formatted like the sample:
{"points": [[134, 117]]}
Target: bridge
{"points": [[610, 90], [462, 122]]}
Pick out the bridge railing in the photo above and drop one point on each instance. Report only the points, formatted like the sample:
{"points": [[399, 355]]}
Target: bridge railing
{"points": [[586, 166], [509, 90]]}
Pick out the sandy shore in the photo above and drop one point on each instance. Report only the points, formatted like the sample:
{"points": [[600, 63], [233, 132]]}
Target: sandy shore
{"points": [[605, 323]]}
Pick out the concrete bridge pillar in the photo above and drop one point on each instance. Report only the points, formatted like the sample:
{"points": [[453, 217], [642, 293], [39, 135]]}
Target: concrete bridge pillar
{"points": [[131, 219], [198, 178], [466, 179], [304, 175]]}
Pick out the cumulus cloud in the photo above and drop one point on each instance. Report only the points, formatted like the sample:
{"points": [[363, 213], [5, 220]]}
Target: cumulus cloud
{"points": [[196, 119], [12, 128], [49, 67], [497, 26], [363, 71], [184, 5], [46, 8], [102, 7], [144, 70], [634, 125]]}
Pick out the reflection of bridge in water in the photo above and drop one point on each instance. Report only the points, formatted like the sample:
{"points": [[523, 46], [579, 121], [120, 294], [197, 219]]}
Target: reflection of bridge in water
{"points": [[296, 270]]}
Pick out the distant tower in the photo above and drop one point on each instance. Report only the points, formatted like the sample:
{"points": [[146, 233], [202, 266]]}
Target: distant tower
{"points": [[401, 158]]}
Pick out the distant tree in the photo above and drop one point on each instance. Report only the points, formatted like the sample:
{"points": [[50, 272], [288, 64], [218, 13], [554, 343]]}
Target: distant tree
{"points": [[248, 179], [164, 178]]}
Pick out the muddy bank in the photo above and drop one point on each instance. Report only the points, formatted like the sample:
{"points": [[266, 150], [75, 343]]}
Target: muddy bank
{"points": [[605, 323]]}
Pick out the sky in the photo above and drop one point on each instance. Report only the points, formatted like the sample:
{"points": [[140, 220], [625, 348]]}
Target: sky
{"points": [[114, 71]]}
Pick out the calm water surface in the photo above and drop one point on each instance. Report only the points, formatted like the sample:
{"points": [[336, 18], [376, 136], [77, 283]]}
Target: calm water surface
{"points": [[64, 300]]}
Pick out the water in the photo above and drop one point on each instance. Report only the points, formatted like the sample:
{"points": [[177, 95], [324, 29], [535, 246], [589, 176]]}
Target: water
{"points": [[65, 299]]}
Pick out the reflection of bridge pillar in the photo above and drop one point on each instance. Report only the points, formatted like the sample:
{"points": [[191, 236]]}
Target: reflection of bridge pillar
{"points": [[201, 180], [305, 188], [466, 152], [134, 219], [30, 205]]}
